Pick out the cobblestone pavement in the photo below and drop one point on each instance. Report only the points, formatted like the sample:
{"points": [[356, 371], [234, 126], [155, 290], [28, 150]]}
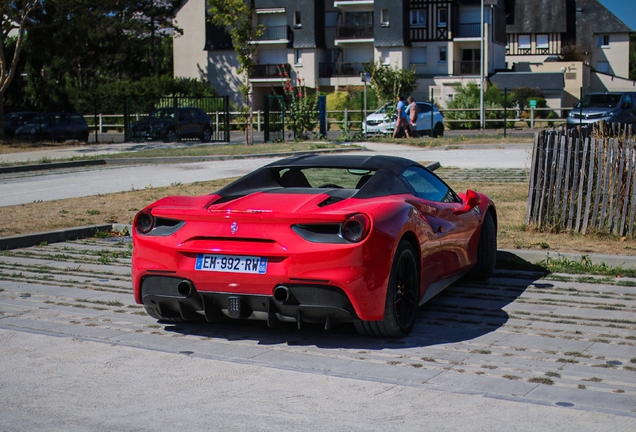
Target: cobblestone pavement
{"points": [[564, 341]]}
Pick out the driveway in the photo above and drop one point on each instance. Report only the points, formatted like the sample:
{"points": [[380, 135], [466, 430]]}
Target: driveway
{"points": [[520, 352]]}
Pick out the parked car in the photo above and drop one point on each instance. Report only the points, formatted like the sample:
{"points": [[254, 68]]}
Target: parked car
{"points": [[383, 120], [612, 107], [54, 127], [191, 123], [313, 239], [14, 120]]}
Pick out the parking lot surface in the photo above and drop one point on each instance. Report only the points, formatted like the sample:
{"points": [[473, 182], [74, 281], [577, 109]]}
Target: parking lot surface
{"points": [[523, 351]]}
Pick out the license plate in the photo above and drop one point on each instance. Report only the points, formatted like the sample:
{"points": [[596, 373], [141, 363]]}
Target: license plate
{"points": [[231, 263]]}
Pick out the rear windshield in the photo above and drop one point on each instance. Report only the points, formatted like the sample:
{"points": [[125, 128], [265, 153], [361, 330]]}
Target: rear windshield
{"points": [[324, 177], [600, 101]]}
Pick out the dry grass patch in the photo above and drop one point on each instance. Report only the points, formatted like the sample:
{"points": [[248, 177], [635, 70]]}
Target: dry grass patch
{"points": [[118, 207], [11, 146]]}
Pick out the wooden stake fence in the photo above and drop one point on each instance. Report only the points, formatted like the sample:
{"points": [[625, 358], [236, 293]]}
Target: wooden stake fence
{"points": [[583, 182]]}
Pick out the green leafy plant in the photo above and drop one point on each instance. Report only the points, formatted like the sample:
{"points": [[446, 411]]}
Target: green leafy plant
{"points": [[302, 116]]}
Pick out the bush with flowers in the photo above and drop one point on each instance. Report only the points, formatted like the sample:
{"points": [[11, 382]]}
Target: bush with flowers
{"points": [[302, 107]]}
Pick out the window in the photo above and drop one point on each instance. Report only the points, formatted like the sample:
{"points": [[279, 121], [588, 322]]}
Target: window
{"points": [[298, 57], [542, 41], [524, 41], [603, 40], [385, 56], [442, 17], [331, 19], [418, 18], [428, 186], [418, 55], [603, 66], [384, 17], [297, 21], [359, 18], [442, 55]]}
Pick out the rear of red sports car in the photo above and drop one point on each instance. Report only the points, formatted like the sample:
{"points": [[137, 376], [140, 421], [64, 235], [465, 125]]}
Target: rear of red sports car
{"points": [[274, 247]]}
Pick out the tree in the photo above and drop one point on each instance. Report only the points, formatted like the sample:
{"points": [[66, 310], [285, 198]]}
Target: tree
{"points": [[237, 17], [390, 82], [15, 16], [90, 43]]}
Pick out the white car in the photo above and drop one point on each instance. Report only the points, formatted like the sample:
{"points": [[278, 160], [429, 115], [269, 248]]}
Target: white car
{"points": [[379, 121]]}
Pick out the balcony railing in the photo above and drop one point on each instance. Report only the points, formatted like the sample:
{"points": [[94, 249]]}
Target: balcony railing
{"points": [[468, 30], [270, 71], [340, 69], [355, 31], [466, 68], [273, 33]]}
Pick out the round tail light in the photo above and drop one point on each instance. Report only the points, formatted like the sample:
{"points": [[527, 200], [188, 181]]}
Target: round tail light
{"points": [[144, 222], [356, 228]]}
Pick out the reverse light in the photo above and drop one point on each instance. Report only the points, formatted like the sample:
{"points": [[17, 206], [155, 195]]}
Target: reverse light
{"points": [[355, 228], [144, 222]]}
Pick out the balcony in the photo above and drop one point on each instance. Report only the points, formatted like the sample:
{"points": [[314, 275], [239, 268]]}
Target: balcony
{"points": [[270, 71], [340, 69], [468, 30], [275, 34], [466, 68], [354, 31]]}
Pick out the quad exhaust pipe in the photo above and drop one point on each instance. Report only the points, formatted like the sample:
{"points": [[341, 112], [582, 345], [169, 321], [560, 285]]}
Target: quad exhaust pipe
{"points": [[186, 289]]}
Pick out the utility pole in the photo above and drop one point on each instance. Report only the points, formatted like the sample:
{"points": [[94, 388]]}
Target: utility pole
{"points": [[482, 115]]}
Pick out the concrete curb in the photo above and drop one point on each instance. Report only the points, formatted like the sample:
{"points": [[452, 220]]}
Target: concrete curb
{"points": [[52, 165], [28, 240], [535, 257]]}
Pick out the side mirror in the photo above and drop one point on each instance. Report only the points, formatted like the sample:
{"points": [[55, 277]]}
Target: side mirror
{"points": [[471, 200]]}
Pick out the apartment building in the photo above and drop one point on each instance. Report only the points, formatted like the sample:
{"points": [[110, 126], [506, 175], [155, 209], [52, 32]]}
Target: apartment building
{"points": [[326, 43]]}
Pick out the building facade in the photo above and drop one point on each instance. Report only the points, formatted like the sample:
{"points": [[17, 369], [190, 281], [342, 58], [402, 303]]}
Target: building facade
{"points": [[326, 43]]}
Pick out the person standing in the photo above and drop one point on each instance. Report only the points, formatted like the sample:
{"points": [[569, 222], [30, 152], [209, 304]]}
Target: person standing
{"points": [[413, 113], [402, 119]]}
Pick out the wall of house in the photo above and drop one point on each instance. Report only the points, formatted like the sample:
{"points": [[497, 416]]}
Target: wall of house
{"points": [[190, 59], [615, 54], [604, 82]]}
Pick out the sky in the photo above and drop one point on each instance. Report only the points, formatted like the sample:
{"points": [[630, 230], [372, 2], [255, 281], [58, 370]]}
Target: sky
{"points": [[625, 10]]}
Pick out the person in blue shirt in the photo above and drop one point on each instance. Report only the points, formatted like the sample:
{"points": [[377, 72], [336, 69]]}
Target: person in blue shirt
{"points": [[402, 120]]}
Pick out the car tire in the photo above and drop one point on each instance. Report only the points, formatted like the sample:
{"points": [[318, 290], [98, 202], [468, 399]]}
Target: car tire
{"points": [[486, 251], [438, 130], [402, 297], [170, 136], [206, 135], [83, 137]]}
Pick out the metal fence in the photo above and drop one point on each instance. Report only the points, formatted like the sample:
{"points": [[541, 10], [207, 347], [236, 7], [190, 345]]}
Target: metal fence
{"points": [[181, 122], [583, 180]]}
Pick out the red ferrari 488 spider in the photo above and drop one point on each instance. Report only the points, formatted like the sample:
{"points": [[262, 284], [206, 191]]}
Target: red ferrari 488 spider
{"points": [[313, 239]]}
